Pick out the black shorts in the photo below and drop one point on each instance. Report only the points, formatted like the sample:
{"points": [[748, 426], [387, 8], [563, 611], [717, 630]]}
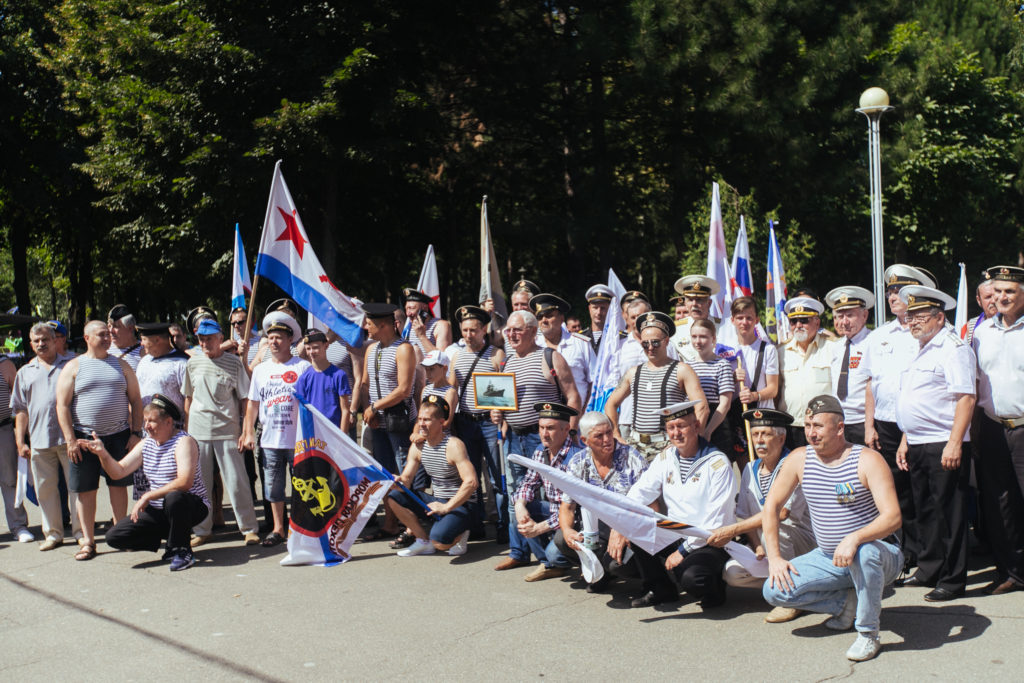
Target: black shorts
{"points": [[85, 475]]}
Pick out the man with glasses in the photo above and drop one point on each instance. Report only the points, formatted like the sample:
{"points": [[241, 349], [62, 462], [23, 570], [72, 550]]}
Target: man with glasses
{"points": [[934, 411], [889, 350], [575, 348], [659, 382], [806, 364]]}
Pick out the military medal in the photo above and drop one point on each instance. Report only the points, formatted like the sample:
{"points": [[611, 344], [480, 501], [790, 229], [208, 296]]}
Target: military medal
{"points": [[844, 493]]}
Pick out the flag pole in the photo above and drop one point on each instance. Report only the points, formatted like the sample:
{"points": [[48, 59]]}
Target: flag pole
{"points": [[263, 238]]}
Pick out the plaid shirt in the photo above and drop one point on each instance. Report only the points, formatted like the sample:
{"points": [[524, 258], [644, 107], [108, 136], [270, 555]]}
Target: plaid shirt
{"points": [[532, 482]]}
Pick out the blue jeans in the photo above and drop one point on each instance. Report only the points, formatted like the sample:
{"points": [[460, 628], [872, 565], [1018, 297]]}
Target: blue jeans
{"points": [[542, 546], [390, 450], [523, 445], [276, 462], [481, 439], [821, 586], [446, 528]]}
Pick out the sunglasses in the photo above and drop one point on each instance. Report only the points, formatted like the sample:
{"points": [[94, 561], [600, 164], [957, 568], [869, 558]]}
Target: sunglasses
{"points": [[651, 344]]}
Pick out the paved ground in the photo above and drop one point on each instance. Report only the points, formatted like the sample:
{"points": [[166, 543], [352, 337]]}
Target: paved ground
{"points": [[239, 615]]}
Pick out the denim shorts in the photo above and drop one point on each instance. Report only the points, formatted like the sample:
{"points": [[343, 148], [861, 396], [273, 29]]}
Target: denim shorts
{"points": [[276, 465]]}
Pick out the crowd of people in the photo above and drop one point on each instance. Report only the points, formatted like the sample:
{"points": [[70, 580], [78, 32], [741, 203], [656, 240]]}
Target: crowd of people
{"points": [[850, 460]]}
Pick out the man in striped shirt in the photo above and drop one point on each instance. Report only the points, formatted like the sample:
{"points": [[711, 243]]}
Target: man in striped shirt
{"points": [[854, 511]]}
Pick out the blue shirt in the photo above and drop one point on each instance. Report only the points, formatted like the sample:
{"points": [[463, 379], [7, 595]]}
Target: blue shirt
{"points": [[322, 389]]}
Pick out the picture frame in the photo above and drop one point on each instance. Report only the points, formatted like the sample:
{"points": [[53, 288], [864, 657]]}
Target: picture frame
{"points": [[495, 391]]}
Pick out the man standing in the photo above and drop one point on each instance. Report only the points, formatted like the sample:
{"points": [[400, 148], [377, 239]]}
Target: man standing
{"points": [[854, 511], [425, 332], [757, 369], [215, 388], [98, 393], [10, 451], [124, 343], [889, 350], [162, 369], [696, 291], [985, 295], [599, 297], [806, 363], [323, 384], [631, 351], [550, 311], [999, 344], [934, 410], [34, 402], [850, 306]]}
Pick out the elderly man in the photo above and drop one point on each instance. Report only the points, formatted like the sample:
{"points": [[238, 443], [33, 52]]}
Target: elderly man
{"points": [[425, 332], [697, 483], [651, 386], [999, 345], [599, 297], [550, 311], [604, 463], [17, 518], [97, 394], [768, 436], [124, 343], [934, 411], [34, 402], [536, 519], [162, 369], [850, 306], [272, 397], [985, 295], [854, 511], [215, 388], [806, 363], [696, 291]]}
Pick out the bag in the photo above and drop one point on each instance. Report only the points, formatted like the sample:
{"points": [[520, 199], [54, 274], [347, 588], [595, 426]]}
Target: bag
{"points": [[396, 419]]}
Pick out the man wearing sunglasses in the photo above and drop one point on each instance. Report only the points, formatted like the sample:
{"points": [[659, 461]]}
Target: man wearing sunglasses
{"points": [[806, 360]]}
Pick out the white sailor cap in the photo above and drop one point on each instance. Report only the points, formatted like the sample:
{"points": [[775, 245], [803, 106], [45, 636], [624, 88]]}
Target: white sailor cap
{"points": [[849, 296], [917, 297], [599, 293], [279, 321], [803, 307], [677, 410], [902, 274], [697, 286]]}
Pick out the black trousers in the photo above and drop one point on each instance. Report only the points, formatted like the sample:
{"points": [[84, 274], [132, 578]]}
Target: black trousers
{"points": [[889, 438], [795, 437], [855, 433], [999, 466], [940, 497], [174, 521], [699, 574]]}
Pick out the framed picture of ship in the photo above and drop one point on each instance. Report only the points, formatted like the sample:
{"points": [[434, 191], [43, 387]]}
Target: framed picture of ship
{"points": [[494, 391]]}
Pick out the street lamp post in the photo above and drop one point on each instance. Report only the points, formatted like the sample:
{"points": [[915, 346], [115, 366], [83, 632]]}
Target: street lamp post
{"points": [[873, 103]]}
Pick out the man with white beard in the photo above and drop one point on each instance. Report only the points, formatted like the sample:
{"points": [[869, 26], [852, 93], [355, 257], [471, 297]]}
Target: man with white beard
{"points": [[806, 361]]}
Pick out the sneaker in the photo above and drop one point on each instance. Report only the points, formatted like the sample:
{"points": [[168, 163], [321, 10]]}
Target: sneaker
{"points": [[844, 620], [183, 559], [418, 547], [461, 544], [864, 648], [25, 536]]}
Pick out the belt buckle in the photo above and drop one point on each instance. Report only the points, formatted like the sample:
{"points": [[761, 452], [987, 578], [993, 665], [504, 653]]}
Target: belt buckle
{"points": [[645, 438], [1008, 422]]}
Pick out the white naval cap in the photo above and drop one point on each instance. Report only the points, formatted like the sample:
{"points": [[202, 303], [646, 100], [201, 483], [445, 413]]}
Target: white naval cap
{"points": [[677, 410], [849, 296], [902, 274], [697, 285], [917, 297], [803, 307], [278, 321], [599, 293]]}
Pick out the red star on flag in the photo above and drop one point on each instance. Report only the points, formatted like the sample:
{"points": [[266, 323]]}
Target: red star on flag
{"points": [[291, 232]]}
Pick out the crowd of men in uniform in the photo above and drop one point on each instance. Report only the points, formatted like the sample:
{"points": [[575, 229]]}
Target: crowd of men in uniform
{"points": [[864, 456]]}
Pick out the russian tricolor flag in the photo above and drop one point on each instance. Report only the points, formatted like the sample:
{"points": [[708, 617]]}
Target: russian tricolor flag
{"points": [[742, 280]]}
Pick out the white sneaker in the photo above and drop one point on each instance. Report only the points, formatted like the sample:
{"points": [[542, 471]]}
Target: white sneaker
{"points": [[461, 544], [864, 648], [25, 536], [844, 620], [418, 547]]}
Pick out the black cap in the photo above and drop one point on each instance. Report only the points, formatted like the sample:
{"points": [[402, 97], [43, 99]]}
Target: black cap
{"points": [[768, 417], [472, 313], [314, 335], [824, 404], [285, 304], [379, 310], [168, 406], [193, 317], [147, 329], [1005, 273], [118, 311], [542, 303], [662, 321], [436, 400], [411, 294], [555, 411], [525, 286], [632, 295]]}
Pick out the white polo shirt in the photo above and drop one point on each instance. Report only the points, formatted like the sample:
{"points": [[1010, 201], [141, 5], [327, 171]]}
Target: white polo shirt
{"points": [[888, 352], [856, 378], [1000, 353], [943, 368]]}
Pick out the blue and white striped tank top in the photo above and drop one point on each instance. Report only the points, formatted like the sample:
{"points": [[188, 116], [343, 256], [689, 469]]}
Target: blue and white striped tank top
{"points": [[647, 401], [160, 467], [100, 403], [339, 356], [384, 369], [533, 384], [5, 399], [838, 502], [463, 362], [444, 477]]}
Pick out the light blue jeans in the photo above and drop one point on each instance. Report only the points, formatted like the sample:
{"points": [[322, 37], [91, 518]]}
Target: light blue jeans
{"points": [[821, 586], [542, 546], [523, 445]]}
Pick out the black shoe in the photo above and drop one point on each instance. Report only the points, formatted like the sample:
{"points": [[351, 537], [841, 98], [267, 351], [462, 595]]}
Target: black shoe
{"points": [[651, 598], [712, 601], [942, 595], [478, 534], [501, 538], [912, 582], [599, 585]]}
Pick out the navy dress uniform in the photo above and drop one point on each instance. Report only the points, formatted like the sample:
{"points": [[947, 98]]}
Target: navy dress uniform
{"points": [[691, 287], [574, 347], [849, 379], [598, 297]]}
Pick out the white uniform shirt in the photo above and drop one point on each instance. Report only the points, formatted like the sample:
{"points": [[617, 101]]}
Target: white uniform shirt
{"points": [[681, 340], [749, 502], [856, 378], [747, 356], [631, 354], [805, 375], [946, 366], [1000, 352], [164, 375], [707, 499], [578, 355], [889, 350]]}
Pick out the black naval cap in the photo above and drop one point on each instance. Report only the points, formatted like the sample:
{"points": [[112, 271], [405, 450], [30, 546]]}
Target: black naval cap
{"points": [[542, 303], [149, 329], [167, 405], [632, 295], [197, 314], [314, 335], [662, 321], [1005, 273], [436, 400], [825, 403], [379, 310], [118, 311], [284, 304], [472, 313], [555, 411], [768, 417], [526, 286], [410, 294]]}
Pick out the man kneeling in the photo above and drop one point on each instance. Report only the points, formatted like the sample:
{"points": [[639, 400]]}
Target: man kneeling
{"points": [[176, 500], [453, 481], [854, 511]]}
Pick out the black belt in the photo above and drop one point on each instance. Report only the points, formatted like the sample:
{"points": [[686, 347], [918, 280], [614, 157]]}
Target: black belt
{"points": [[6, 421], [474, 417], [523, 431]]}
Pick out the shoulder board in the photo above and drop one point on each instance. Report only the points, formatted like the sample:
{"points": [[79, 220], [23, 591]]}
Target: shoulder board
{"points": [[581, 336], [718, 464], [623, 334]]}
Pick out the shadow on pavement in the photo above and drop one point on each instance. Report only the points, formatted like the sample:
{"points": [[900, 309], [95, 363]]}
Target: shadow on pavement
{"points": [[928, 628]]}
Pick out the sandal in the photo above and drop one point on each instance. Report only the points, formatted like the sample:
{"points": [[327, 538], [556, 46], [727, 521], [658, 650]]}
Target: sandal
{"points": [[87, 551], [379, 535], [404, 540], [273, 539]]}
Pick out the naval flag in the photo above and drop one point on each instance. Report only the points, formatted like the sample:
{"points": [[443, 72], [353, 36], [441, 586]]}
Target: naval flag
{"points": [[241, 285], [605, 372], [960, 319], [286, 257], [776, 322]]}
